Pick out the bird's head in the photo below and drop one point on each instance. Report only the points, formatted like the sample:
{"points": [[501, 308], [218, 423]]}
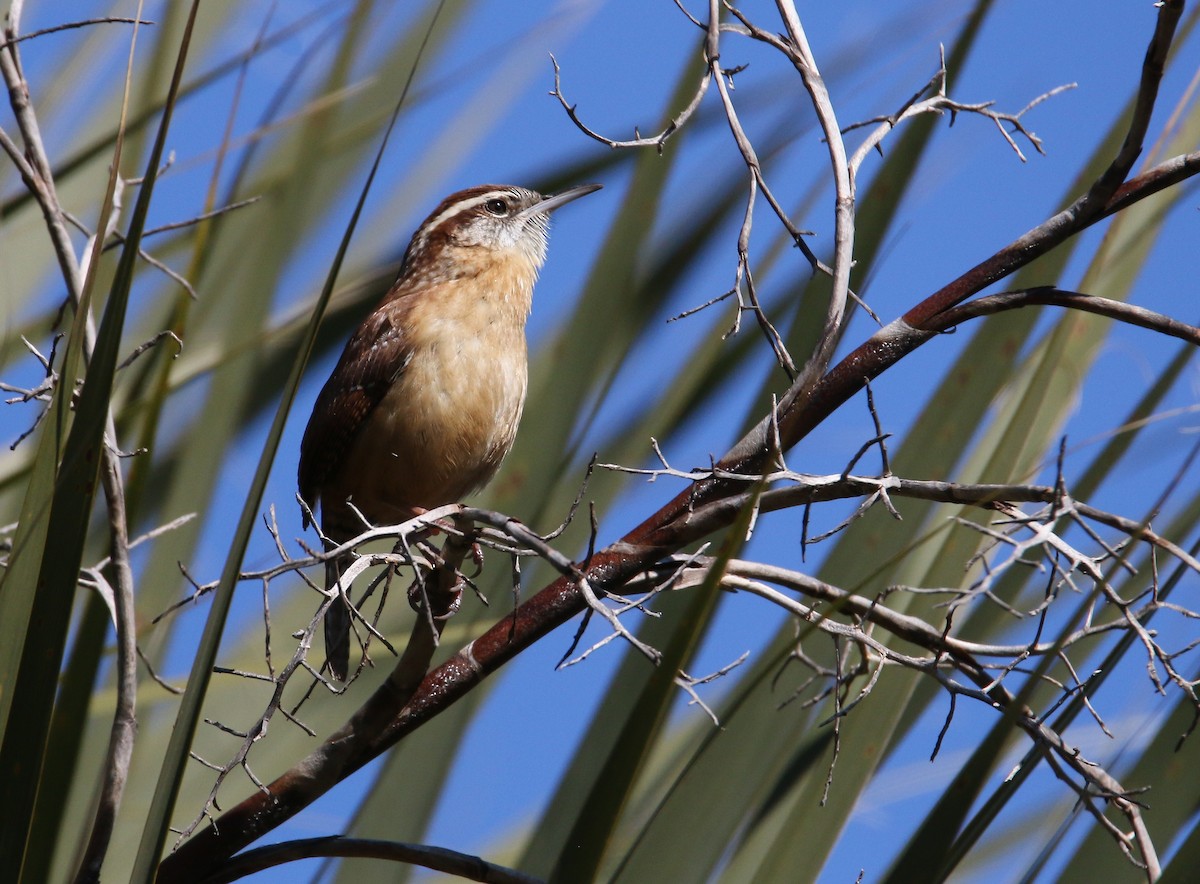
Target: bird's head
{"points": [[486, 223]]}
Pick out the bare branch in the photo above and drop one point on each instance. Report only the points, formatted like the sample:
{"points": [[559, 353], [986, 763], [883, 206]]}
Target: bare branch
{"points": [[1051, 296], [712, 498], [439, 859], [941, 103], [657, 141], [12, 41]]}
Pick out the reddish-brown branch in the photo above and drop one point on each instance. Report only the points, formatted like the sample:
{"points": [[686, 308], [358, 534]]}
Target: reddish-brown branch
{"points": [[674, 526], [1049, 296], [890, 344], [1093, 205], [664, 533]]}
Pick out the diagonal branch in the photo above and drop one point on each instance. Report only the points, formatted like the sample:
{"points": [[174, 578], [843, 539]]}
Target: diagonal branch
{"points": [[676, 524]]}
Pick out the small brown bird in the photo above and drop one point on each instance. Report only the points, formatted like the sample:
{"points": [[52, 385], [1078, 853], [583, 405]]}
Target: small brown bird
{"points": [[425, 401]]}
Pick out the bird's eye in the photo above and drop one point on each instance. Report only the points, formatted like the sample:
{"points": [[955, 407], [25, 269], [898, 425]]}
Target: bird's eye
{"points": [[499, 208]]}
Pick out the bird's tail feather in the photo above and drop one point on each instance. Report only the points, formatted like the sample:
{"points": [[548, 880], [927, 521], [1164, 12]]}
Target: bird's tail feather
{"points": [[337, 624]]}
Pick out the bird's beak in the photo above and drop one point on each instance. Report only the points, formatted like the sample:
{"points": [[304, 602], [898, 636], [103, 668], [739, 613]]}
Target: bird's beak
{"points": [[552, 202]]}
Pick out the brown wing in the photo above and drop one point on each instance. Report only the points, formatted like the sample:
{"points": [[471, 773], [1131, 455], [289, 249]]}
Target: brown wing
{"points": [[374, 357]]}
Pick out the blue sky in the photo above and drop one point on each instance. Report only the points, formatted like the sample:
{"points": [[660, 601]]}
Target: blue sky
{"points": [[619, 60]]}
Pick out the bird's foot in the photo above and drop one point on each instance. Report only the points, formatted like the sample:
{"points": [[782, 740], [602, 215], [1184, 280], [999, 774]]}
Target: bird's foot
{"points": [[477, 559], [438, 592]]}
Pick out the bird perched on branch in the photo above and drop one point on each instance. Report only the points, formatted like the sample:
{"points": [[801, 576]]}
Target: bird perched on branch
{"points": [[424, 403]]}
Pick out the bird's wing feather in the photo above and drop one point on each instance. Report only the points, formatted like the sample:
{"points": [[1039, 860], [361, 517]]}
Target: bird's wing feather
{"points": [[374, 357]]}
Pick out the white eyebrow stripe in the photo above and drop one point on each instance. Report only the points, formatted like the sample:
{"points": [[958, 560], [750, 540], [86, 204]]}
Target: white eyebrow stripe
{"points": [[422, 235], [464, 205]]}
